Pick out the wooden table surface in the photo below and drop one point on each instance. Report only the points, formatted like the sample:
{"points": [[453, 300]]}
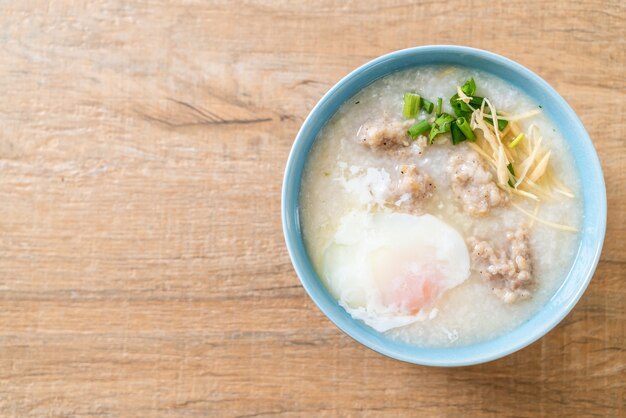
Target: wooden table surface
{"points": [[142, 265]]}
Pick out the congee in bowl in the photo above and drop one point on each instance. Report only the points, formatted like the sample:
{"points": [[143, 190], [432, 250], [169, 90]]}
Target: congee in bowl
{"points": [[440, 206]]}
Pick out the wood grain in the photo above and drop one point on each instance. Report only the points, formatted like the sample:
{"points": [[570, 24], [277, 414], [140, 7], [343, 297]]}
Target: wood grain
{"points": [[142, 265]]}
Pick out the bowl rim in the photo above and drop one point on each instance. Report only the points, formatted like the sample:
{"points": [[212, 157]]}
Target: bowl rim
{"points": [[381, 344]]}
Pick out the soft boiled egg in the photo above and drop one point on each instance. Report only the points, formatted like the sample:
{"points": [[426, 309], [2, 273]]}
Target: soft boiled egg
{"points": [[388, 269]]}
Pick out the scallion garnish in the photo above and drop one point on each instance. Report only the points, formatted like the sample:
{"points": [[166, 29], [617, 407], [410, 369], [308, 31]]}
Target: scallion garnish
{"points": [[462, 109], [465, 128], [418, 129], [458, 126], [476, 101], [441, 125], [502, 124], [459, 107], [516, 141], [427, 105], [469, 87], [411, 105], [457, 135], [510, 168]]}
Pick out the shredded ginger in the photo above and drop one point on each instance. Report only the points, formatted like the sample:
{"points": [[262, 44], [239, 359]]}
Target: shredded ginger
{"points": [[523, 170]]}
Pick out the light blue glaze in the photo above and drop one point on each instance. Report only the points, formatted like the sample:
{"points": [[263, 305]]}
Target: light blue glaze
{"points": [[587, 164]]}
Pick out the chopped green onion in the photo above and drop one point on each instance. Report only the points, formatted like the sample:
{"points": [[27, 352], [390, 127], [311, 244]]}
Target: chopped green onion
{"points": [[439, 106], [502, 124], [427, 105], [517, 140], [459, 107], [411, 105], [457, 135], [510, 167], [465, 128], [469, 87], [476, 101], [463, 109], [441, 125], [418, 129]]}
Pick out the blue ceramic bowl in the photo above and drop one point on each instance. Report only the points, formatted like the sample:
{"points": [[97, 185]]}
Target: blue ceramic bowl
{"points": [[587, 164]]}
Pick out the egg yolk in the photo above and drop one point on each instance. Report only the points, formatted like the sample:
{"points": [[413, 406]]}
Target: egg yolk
{"points": [[413, 289], [407, 282]]}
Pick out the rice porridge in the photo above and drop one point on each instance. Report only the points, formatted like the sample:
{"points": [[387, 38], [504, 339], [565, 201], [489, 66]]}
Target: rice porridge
{"points": [[433, 221]]}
